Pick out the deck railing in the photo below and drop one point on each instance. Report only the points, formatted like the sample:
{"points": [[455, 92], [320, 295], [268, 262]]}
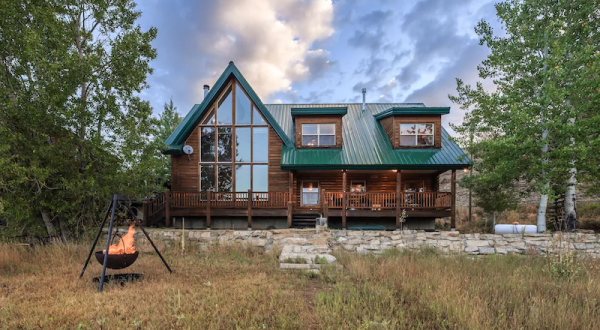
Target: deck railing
{"points": [[228, 199], [387, 200]]}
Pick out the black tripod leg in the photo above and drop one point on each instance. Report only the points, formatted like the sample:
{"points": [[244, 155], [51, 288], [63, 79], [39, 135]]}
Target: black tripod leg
{"points": [[96, 240], [150, 240], [112, 219], [155, 249]]}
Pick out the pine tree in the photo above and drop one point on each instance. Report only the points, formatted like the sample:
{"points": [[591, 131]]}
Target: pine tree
{"points": [[167, 122]]}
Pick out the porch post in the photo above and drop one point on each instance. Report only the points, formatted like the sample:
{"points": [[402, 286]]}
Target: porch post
{"points": [[344, 199], [250, 198], [453, 201], [325, 206], [208, 202], [290, 203], [168, 208], [398, 199]]}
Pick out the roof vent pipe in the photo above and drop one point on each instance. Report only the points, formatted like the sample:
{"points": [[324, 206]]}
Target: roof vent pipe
{"points": [[206, 88], [364, 106]]}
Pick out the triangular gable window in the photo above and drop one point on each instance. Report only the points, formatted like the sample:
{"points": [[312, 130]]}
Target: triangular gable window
{"points": [[209, 119], [225, 111], [257, 118]]}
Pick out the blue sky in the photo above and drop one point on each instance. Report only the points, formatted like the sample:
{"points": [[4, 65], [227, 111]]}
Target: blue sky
{"points": [[310, 51]]}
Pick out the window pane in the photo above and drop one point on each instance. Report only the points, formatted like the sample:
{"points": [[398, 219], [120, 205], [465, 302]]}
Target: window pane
{"points": [[242, 178], [225, 109], [260, 178], [243, 107], [257, 118], [327, 129], [225, 144], [207, 177], [207, 144], [407, 129], [309, 129], [209, 119], [309, 140], [260, 140], [326, 140], [224, 179], [358, 186], [310, 198], [407, 140], [242, 144], [310, 186], [425, 129], [425, 140]]}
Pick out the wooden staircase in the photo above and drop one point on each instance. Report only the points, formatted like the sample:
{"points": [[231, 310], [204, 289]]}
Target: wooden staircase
{"points": [[154, 210]]}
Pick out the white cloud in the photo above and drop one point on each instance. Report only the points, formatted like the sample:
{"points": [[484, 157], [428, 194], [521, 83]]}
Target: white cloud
{"points": [[270, 41]]}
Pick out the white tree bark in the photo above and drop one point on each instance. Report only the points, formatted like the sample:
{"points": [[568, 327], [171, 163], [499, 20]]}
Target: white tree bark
{"points": [[571, 185], [48, 222], [541, 215]]}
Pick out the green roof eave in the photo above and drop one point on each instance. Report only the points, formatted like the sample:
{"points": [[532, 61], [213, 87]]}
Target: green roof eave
{"points": [[413, 111], [319, 111], [176, 140], [375, 167]]}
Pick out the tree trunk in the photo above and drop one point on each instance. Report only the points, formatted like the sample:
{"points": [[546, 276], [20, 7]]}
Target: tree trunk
{"points": [[64, 232], [570, 209], [48, 222], [494, 226], [541, 215]]}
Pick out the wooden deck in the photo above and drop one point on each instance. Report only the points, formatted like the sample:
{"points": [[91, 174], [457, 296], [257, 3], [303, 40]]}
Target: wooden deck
{"points": [[210, 204]]}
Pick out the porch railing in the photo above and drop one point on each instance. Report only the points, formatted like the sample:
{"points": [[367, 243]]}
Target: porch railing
{"points": [[228, 199], [387, 200]]}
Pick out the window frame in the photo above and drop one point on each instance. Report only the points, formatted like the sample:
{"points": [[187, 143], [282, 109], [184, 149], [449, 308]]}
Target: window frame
{"points": [[416, 134], [364, 185], [318, 135], [318, 192], [235, 88]]}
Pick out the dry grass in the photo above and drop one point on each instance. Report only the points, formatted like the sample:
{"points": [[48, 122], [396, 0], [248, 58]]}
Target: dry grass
{"points": [[234, 288]]}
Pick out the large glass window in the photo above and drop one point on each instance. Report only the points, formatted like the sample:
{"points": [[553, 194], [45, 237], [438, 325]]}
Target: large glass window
{"points": [[243, 144], [315, 135], [413, 134], [243, 108], [229, 146], [225, 109], [260, 141], [260, 178], [310, 192], [207, 177], [207, 144]]}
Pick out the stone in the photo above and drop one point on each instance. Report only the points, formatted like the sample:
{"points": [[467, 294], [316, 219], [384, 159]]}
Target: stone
{"points": [[318, 241], [477, 243], [486, 250]]}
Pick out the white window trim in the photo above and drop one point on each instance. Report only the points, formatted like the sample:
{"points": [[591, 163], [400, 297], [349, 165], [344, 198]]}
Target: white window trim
{"points": [[319, 134], [416, 135]]}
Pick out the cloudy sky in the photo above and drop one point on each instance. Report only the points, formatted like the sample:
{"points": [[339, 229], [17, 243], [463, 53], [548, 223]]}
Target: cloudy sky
{"points": [[310, 51]]}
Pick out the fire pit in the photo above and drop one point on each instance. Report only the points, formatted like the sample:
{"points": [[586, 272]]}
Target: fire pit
{"points": [[117, 261]]}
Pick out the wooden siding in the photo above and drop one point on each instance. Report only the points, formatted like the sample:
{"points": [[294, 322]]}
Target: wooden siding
{"points": [[319, 119], [388, 125], [185, 172], [278, 178], [435, 119]]}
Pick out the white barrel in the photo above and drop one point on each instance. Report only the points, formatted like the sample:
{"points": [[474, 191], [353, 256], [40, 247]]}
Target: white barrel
{"points": [[515, 229]]}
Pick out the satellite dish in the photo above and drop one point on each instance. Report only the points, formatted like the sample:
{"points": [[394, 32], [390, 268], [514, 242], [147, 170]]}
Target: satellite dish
{"points": [[188, 150]]}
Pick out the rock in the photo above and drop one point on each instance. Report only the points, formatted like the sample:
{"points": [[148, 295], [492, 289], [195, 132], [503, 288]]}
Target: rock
{"points": [[476, 243], [487, 250]]}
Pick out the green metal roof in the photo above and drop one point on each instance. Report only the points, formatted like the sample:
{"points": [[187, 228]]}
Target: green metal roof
{"points": [[320, 111], [174, 144], [365, 144], [413, 111]]}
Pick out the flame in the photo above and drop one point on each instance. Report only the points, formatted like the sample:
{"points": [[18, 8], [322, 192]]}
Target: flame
{"points": [[125, 245]]}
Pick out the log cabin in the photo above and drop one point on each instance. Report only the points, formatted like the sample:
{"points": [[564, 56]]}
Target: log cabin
{"points": [[237, 163]]}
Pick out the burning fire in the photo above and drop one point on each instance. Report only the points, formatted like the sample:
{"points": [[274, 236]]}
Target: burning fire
{"points": [[125, 245]]}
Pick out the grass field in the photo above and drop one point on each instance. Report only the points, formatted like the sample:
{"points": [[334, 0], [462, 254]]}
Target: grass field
{"points": [[235, 288]]}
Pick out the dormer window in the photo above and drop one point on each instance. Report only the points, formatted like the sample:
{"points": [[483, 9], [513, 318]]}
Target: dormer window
{"points": [[318, 135], [413, 134]]}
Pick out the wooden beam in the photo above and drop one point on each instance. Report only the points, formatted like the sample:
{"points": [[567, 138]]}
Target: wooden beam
{"points": [[289, 214], [344, 199], [168, 208], [325, 205], [453, 203], [398, 198], [249, 208], [208, 199]]}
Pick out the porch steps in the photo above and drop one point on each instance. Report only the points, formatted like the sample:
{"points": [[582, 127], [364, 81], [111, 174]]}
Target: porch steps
{"points": [[304, 220]]}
